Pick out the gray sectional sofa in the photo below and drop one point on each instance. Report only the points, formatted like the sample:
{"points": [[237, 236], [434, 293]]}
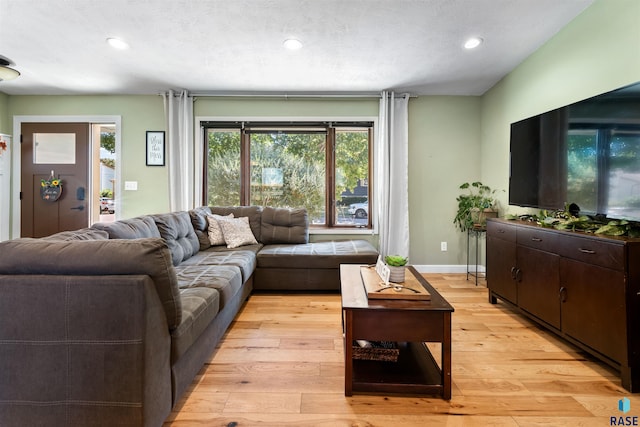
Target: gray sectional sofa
{"points": [[109, 325]]}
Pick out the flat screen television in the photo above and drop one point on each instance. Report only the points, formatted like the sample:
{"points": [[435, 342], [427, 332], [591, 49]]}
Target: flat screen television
{"points": [[587, 153]]}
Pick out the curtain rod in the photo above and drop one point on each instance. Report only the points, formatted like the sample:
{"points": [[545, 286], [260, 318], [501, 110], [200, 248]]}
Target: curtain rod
{"points": [[294, 95]]}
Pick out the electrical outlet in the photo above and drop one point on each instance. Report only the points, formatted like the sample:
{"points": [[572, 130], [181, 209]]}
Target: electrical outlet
{"points": [[131, 185], [443, 246]]}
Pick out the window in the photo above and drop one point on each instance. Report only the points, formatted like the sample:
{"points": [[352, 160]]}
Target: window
{"points": [[54, 148], [324, 167], [104, 168]]}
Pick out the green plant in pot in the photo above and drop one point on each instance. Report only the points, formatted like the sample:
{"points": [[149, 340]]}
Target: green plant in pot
{"points": [[396, 264], [475, 205]]}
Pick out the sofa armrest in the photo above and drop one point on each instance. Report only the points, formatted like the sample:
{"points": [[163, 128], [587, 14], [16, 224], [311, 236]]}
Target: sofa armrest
{"points": [[96, 258], [83, 350]]}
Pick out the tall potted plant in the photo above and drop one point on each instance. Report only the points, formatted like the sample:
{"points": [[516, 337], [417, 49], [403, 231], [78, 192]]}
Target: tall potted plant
{"points": [[475, 205]]}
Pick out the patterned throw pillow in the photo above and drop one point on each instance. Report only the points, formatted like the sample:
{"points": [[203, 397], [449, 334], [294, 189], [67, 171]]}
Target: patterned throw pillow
{"points": [[237, 232], [215, 232]]}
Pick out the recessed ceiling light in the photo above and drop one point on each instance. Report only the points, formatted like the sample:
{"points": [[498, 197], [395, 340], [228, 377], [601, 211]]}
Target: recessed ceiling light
{"points": [[117, 43], [292, 44], [473, 42]]}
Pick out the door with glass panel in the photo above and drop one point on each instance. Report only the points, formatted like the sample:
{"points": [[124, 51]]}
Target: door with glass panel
{"points": [[54, 178]]}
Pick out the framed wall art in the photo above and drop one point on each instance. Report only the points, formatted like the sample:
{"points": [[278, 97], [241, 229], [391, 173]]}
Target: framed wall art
{"points": [[155, 148]]}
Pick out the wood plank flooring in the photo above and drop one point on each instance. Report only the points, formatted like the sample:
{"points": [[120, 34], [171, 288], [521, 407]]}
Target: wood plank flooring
{"points": [[281, 364]]}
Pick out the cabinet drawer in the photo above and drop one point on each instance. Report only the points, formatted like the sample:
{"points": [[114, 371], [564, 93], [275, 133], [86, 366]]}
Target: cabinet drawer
{"points": [[592, 251], [500, 230], [537, 238]]}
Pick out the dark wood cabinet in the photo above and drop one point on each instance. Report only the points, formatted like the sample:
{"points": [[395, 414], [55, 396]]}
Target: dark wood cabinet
{"points": [[538, 284], [501, 261], [585, 288], [593, 307]]}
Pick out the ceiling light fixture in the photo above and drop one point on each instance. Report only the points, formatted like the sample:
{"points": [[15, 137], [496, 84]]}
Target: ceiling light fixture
{"points": [[7, 73], [292, 44], [473, 42], [117, 43]]}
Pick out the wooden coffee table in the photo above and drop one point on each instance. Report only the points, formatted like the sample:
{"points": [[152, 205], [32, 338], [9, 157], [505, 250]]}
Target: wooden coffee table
{"points": [[409, 323]]}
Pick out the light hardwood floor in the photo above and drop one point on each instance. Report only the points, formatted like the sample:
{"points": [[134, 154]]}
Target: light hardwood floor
{"points": [[281, 364]]}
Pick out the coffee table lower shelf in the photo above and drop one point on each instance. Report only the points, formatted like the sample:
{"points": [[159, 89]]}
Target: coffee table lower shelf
{"points": [[415, 372]]}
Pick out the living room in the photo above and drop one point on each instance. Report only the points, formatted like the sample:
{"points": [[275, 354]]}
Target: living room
{"points": [[452, 138]]}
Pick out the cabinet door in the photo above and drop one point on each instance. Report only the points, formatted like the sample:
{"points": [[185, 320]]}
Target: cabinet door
{"points": [[501, 263], [538, 280], [593, 307]]}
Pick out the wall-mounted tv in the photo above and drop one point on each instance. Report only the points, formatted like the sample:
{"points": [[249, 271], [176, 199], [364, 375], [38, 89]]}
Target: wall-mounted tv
{"points": [[587, 153]]}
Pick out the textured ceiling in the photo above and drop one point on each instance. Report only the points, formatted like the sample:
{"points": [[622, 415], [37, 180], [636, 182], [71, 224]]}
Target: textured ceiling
{"points": [[235, 46]]}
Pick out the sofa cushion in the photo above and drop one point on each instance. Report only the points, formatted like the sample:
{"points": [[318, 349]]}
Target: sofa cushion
{"points": [[317, 255], [226, 279], [243, 259], [177, 231], [132, 228], [199, 307], [237, 232], [201, 225], [216, 237], [253, 248], [282, 225], [254, 213], [82, 234], [98, 257]]}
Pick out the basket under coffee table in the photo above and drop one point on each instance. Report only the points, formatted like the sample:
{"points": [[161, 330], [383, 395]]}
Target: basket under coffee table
{"points": [[408, 323]]}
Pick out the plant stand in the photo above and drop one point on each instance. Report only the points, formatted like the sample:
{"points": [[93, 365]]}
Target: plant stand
{"points": [[475, 233]]}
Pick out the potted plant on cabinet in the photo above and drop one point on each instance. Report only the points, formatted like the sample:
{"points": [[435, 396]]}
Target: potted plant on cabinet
{"points": [[475, 206], [396, 264]]}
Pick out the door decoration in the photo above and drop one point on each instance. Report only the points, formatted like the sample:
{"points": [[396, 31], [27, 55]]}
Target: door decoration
{"points": [[3, 146], [51, 188]]}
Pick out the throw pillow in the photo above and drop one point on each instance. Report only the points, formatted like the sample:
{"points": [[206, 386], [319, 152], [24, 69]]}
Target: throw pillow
{"points": [[215, 232], [237, 232]]}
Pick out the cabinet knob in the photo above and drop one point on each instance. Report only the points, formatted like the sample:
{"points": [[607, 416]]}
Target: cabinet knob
{"points": [[587, 251], [536, 239], [562, 295]]}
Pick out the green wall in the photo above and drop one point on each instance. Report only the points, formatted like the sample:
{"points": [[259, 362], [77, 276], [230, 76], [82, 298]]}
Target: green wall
{"points": [[5, 118], [457, 139], [444, 152], [597, 52]]}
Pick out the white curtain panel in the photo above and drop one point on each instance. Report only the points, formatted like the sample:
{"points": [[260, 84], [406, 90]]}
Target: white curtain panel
{"points": [[392, 178], [178, 109]]}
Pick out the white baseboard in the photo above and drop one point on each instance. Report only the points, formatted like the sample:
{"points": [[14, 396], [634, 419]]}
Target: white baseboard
{"points": [[448, 268]]}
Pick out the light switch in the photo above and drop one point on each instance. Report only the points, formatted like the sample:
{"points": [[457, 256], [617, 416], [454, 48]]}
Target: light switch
{"points": [[131, 185]]}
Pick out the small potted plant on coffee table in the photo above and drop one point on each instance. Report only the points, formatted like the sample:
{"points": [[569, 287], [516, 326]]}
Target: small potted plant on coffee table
{"points": [[396, 264]]}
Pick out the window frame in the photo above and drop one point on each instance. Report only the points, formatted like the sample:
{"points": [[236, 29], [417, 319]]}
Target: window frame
{"points": [[247, 126]]}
